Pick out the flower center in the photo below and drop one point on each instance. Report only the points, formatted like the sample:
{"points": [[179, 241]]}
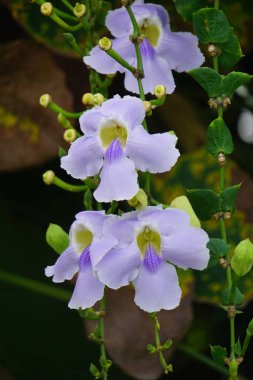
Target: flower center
{"points": [[111, 132], [82, 239], [149, 238], [151, 32]]}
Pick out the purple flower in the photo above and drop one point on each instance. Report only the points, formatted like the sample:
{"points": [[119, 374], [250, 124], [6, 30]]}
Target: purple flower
{"points": [[162, 50], [149, 243], [116, 142], [87, 246]]}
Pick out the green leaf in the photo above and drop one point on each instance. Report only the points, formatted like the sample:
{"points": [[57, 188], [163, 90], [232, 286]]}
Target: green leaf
{"points": [[225, 298], [57, 238], [209, 79], [242, 260], [231, 53], [151, 349], [204, 202], [228, 198], [211, 26], [89, 314], [218, 247], [218, 354], [219, 139], [95, 371], [186, 8], [232, 81], [62, 152], [238, 348], [167, 344]]}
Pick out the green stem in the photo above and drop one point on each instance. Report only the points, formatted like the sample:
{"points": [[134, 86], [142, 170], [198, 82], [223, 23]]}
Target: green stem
{"points": [[167, 367], [55, 108], [232, 335], [35, 286], [102, 345], [112, 53], [68, 187], [246, 344], [65, 15], [216, 4], [72, 42], [68, 5]]}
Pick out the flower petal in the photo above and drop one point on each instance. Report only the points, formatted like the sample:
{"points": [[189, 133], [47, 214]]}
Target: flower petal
{"points": [[129, 110], [84, 159], [119, 267], [159, 290], [65, 267], [154, 153], [186, 248], [100, 247], [104, 64], [118, 176], [122, 228], [180, 50], [90, 120], [93, 221], [88, 289]]}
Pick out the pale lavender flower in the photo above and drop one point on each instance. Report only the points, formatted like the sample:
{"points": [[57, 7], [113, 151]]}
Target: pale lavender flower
{"points": [[116, 142], [151, 242], [87, 246], [162, 50]]}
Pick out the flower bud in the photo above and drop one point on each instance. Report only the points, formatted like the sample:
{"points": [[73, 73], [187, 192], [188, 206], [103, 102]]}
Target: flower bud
{"points": [[48, 177], [182, 203], [98, 99], [160, 91], [70, 135], [242, 260], [139, 201], [147, 106], [87, 99], [79, 10], [45, 100], [47, 9], [233, 368], [105, 43], [213, 50]]}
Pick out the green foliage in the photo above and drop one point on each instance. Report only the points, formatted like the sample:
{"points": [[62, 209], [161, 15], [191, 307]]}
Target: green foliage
{"points": [[211, 26], [151, 349], [238, 348], [242, 260], [231, 52], [218, 354], [209, 79], [225, 297], [219, 139], [218, 248], [204, 202], [57, 238], [186, 8], [89, 314], [232, 81], [62, 152], [95, 371], [228, 198]]}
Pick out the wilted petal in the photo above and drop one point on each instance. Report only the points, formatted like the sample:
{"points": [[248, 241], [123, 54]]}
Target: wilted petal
{"points": [[186, 248], [84, 159], [157, 290], [154, 153], [65, 267], [118, 176]]}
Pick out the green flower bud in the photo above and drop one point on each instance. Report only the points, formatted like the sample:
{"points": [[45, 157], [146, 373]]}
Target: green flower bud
{"points": [[70, 135], [160, 91], [98, 99], [183, 204], [45, 100], [79, 10], [233, 368], [87, 99], [242, 260], [48, 177], [139, 201], [105, 43], [47, 9]]}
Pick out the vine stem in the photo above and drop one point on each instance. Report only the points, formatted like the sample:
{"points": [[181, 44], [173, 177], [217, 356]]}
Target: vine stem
{"points": [[167, 368], [68, 187], [102, 345]]}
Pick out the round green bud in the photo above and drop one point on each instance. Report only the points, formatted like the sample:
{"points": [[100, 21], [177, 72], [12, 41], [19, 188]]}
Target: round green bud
{"points": [[98, 99], [48, 177], [160, 91], [70, 135], [47, 9], [105, 43], [242, 260], [45, 100], [233, 368], [182, 203], [87, 99], [79, 10], [139, 201]]}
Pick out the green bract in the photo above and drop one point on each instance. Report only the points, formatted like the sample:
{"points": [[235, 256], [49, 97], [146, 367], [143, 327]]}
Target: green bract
{"points": [[219, 139], [57, 238], [218, 354], [205, 202], [242, 260], [232, 81], [218, 249], [228, 198]]}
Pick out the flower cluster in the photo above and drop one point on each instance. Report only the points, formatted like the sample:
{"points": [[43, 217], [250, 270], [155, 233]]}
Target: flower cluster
{"points": [[142, 248]]}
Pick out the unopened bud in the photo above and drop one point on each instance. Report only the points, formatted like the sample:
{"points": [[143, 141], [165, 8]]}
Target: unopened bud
{"points": [[221, 159], [48, 177], [147, 106], [79, 10], [183, 203], [70, 135], [98, 99], [105, 43], [87, 99], [45, 100], [226, 102], [213, 50], [242, 260], [213, 103], [139, 201], [47, 9], [160, 91], [233, 368]]}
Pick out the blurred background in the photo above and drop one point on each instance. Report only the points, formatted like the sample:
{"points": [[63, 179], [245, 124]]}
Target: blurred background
{"points": [[40, 338]]}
